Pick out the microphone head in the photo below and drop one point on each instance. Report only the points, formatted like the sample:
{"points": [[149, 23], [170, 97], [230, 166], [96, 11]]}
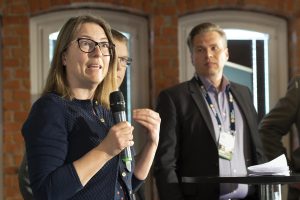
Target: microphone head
{"points": [[117, 102]]}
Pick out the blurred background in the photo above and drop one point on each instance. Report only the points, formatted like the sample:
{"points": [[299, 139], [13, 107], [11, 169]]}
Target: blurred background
{"points": [[263, 39]]}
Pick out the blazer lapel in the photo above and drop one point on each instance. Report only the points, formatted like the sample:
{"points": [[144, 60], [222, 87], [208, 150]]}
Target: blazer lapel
{"points": [[242, 103], [202, 106], [243, 106]]}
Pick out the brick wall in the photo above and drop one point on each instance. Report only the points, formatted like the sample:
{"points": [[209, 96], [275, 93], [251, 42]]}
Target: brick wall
{"points": [[163, 16]]}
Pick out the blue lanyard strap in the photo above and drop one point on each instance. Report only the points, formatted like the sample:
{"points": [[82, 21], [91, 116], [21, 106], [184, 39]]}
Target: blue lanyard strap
{"points": [[231, 111], [212, 107]]}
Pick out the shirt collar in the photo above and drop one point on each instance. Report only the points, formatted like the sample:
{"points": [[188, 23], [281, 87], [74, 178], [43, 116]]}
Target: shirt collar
{"points": [[225, 84]]}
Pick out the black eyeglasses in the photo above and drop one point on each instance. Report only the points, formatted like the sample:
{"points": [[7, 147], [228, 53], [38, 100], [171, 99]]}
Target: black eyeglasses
{"points": [[87, 45], [125, 61]]}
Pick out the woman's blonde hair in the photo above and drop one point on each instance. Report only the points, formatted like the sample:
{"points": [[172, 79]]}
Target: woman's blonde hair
{"points": [[57, 77]]}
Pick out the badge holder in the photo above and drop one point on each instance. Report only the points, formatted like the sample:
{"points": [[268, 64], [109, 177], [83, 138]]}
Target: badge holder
{"points": [[226, 145]]}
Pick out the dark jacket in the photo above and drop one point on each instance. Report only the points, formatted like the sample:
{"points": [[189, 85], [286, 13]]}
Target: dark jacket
{"points": [[187, 146], [279, 121]]}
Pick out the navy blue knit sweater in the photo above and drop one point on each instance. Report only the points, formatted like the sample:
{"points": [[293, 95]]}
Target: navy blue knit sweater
{"points": [[58, 132]]}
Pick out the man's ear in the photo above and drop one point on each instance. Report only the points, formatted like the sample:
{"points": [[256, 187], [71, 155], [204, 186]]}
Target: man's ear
{"points": [[191, 57], [227, 54]]}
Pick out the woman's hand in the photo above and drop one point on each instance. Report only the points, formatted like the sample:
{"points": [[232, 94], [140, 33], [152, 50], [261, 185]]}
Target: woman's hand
{"points": [[150, 120], [118, 138]]}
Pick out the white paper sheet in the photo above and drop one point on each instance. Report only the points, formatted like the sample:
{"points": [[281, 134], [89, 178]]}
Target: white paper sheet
{"points": [[277, 166]]}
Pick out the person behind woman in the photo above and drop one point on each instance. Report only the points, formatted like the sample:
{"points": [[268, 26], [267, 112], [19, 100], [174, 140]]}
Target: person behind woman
{"points": [[72, 143], [121, 45], [124, 61]]}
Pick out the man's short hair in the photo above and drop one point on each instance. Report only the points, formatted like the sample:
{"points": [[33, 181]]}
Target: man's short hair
{"points": [[204, 28]]}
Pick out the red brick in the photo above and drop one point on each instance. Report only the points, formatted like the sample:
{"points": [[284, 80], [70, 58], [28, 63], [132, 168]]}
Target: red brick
{"points": [[20, 116], [19, 9], [12, 84], [12, 126], [21, 95], [10, 63], [12, 105], [163, 18], [22, 73]]}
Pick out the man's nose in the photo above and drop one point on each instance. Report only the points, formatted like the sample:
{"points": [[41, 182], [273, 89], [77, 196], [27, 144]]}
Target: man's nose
{"points": [[208, 53]]}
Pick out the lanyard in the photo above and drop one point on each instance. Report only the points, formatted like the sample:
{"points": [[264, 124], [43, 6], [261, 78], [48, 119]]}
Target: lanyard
{"points": [[212, 107]]}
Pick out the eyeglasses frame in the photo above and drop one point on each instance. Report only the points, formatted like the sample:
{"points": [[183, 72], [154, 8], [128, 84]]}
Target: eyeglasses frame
{"points": [[111, 46], [128, 60]]}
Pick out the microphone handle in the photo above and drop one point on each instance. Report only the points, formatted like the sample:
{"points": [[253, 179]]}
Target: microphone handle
{"points": [[127, 158], [126, 153]]}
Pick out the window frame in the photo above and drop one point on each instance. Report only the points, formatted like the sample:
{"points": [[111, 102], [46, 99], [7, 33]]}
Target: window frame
{"points": [[274, 26]]}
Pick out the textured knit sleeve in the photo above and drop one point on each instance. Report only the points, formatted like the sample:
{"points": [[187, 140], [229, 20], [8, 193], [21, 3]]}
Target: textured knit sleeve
{"points": [[46, 140]]}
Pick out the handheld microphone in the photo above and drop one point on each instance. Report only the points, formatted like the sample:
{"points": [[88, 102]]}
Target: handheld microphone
{"points": [[117, 105]]}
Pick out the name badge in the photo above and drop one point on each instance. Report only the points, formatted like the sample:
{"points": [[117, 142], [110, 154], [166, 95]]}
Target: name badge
{"points": [[226, 145]]}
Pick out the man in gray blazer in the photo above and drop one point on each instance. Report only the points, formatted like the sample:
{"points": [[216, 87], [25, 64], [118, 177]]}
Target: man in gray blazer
{"points": [[208, 127], [277, 123]]}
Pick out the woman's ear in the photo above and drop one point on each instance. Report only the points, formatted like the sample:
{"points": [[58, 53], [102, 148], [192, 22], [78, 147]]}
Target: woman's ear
{"points": [[64, 59]]}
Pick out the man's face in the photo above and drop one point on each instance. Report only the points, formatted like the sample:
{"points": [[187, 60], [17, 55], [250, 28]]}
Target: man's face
{"points": [[209, 54], [122, 52]]}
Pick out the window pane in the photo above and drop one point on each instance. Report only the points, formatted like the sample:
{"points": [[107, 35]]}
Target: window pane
{"points": [[247, 50], [52, 43], [126, 84]]}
